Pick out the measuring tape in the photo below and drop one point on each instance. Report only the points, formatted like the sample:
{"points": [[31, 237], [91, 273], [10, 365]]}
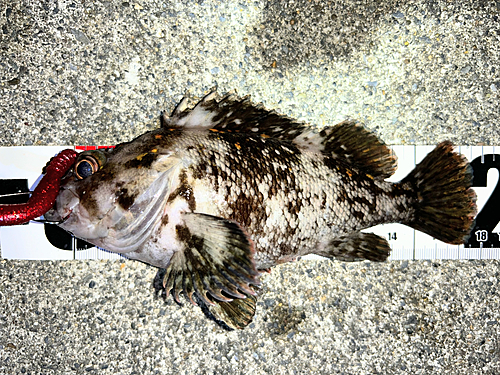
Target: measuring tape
{"points": [[20, 168], [484, 242]]}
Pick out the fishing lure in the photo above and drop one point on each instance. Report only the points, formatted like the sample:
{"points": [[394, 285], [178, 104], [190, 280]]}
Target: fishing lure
{"points": [[44, 196]]}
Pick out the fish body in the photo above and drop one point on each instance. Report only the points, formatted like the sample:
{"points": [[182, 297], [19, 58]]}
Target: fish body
{"points": [[227, 189]]}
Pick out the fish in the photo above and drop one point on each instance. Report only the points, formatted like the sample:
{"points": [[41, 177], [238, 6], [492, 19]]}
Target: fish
{"points": [[225, 189]]}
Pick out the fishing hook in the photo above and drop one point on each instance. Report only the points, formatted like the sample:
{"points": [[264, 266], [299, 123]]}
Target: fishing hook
{"points": [[44, 196]]}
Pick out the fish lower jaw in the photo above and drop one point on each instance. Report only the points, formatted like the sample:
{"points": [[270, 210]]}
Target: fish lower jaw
{"points": [[66, 217]]}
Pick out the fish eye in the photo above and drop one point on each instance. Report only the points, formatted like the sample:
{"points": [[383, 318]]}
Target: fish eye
{"points": [[88, 163], [86, 167]]}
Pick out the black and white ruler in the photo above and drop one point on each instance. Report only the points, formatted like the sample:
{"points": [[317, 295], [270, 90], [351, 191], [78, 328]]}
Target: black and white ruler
{"points": [[484, 242], [20, 170]]}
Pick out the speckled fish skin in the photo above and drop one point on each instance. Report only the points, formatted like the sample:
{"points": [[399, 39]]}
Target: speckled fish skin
{"points": [[228, 174], [289, 202]]}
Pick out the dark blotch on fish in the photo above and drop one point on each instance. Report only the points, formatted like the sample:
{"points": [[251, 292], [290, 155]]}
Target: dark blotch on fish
{"points": [[185, 191], [125, 199], [142, 161]]}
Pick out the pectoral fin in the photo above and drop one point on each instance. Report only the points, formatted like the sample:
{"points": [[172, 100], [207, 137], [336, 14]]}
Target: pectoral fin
{"points": [[237, 314], [216, 263]]}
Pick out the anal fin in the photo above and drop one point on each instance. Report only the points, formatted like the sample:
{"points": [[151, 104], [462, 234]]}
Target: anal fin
{"points": [[216, 262], [358, 246]]}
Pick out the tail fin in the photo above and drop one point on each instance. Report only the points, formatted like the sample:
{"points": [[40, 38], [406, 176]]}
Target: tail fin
{"points": [[446, 203]]}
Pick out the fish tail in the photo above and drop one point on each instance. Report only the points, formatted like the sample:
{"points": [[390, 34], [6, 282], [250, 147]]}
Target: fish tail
{"points": [[446, 204]]}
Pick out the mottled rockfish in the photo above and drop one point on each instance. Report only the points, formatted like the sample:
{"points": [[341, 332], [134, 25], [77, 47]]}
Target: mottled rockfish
{"points": [[227, 189]]}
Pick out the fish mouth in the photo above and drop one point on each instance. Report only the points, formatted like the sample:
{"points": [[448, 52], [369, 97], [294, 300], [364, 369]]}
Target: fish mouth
{"points": [[63, 207], [53, 217], [66, 217]]}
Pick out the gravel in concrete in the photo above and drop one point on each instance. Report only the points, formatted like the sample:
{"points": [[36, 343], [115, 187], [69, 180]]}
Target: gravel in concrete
{"points": [[416, 72]]}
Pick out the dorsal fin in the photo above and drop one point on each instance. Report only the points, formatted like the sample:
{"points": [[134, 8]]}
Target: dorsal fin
{"points": [[347, 142], [351, 143], [234, 114]]}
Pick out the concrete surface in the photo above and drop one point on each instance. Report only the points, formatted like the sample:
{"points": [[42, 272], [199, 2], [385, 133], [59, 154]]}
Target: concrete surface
{"points": [[416, 72]]}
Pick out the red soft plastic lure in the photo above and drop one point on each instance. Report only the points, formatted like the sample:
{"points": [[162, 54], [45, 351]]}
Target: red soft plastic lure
{"points": [[44, 196]]}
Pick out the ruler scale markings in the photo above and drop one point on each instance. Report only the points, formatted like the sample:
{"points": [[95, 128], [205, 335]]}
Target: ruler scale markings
{"points": [[21, 162], [486, 178]]}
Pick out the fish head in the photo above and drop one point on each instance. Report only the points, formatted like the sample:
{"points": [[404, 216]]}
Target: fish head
{"points": [[114, 197]]}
